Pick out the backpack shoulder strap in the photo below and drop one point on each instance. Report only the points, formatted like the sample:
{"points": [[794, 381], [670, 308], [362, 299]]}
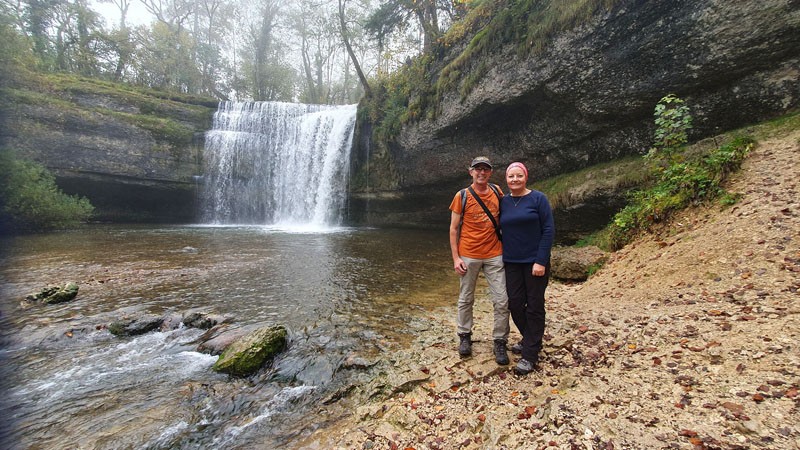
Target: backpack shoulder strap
{"points": [[496, 189], [463, 193]]}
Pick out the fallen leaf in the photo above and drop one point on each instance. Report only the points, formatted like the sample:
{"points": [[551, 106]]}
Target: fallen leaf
{"points": [[733, 407]]}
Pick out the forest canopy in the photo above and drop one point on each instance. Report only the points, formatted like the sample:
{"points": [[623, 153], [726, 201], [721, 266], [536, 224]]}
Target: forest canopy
{"points": [[226, 49]]}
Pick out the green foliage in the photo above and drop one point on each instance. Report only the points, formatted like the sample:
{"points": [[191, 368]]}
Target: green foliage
{"points": [[31, 201], [673, 122], [16, 57], [679, 179], [676, 187], [592, 269]]}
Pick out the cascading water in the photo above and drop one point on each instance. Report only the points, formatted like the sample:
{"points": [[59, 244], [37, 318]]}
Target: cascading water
{"points": [[274, 163]]}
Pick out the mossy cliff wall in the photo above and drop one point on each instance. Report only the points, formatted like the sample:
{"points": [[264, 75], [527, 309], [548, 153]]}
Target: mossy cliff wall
{"points": [[586, 98], [134, 154]]}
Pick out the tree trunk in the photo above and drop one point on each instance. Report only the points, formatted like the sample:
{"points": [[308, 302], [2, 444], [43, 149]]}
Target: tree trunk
{"points": [[361, 77]]}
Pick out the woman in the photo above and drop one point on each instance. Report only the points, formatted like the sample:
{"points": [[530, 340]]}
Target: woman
{"points": [[526, 220]]}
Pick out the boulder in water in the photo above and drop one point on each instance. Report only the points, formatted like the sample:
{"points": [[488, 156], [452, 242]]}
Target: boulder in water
{"points": [[55, 294], [246, 355], [220, 337], [133, 326], [203, 320]]}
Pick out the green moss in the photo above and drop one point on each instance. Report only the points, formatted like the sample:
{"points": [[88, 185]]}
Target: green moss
{"points": [[162, 129], [163, 115], [245, 356], [569, 189]]}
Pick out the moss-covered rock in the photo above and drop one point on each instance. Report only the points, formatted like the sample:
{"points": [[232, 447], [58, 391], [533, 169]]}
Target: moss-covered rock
{"points": [[55, 294], [246, 355]]}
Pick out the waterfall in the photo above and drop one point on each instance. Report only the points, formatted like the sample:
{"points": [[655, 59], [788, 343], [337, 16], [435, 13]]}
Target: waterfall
{"points": [[273, 163]]}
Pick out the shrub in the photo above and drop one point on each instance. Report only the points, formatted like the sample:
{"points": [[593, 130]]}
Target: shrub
{"points": [[678, 181], [676, 186], [31, 201]]}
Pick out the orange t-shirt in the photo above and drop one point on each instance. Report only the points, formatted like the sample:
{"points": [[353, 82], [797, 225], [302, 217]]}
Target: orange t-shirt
{"points": [[478, 237]]}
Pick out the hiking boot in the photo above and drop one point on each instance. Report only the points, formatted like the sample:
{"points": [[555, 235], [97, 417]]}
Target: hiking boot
{"points": [[524, 367], [465, 344], [500, 354], [517, 348]]}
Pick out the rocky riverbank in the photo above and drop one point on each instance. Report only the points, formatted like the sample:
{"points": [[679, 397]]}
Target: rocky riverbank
{"points": [[688, 338]]}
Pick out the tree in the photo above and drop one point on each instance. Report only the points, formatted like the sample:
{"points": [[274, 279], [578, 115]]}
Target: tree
{"points": [[350, 52], [30, 199], [395, 15]]}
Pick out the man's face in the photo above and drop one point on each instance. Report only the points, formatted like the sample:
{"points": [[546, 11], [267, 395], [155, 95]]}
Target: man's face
{"points": [[480, 173]]}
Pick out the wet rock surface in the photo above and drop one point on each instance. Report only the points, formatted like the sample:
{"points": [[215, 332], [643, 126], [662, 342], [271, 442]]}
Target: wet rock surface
{"points": [[688, 339], [55, 294], [247, 354]]}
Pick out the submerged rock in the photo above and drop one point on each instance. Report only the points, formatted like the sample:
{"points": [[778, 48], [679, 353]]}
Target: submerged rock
{"points": [[246, 355], [55, 294]]}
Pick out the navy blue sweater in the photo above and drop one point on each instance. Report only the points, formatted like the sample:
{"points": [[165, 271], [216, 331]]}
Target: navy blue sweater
{"points": [[528, 230]]}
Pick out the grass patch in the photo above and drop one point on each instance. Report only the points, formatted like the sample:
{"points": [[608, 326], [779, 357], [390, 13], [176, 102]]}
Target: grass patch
{"points": [[572, 188], [166, 119]]}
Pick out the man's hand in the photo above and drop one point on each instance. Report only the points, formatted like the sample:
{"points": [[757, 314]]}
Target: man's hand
{"points": [[538, 270], [460, 267]]}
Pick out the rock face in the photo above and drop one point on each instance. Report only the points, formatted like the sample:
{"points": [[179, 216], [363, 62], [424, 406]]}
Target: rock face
{"points": [[136, 158], [246, 355], [589, 98]]}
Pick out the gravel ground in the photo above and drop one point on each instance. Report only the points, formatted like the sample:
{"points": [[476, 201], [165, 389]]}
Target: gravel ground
{"points": [[685, 339]]}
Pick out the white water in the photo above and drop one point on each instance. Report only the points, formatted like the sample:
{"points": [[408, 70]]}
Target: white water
{"points": [[278, 164]]}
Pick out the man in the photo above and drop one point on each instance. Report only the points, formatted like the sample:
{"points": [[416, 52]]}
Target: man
{"points": [[475, 246]]}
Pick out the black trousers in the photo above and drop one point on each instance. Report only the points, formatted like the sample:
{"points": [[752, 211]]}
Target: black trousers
{"points": [[526, 303]]}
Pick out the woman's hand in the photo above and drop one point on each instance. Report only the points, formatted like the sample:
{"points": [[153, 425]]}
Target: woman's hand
{"points": [[538, 270]]}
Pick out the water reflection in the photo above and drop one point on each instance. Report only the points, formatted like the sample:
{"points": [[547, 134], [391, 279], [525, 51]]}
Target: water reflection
{"points": [[67, 382]]}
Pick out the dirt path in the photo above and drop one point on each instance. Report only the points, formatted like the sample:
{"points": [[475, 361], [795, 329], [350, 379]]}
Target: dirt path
{"points": [[689, 339]]}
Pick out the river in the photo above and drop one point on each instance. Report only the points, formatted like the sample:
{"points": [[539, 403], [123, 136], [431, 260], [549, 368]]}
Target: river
{"points": [[68, 383]]}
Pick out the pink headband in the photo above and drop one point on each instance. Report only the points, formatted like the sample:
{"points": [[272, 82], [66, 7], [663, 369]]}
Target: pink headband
{"points": [[520, 165]]}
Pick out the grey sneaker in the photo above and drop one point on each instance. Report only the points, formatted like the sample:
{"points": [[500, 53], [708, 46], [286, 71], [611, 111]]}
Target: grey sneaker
{"points": [[500, 353], [517, 348], [465, 344], [524, 367]]}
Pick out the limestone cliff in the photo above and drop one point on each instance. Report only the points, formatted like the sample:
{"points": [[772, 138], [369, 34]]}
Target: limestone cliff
{"points": [[134, 154], [586, 98]]}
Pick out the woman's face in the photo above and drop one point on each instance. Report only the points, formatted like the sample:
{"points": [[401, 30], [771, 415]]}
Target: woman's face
{"points": [[516, 179]]}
